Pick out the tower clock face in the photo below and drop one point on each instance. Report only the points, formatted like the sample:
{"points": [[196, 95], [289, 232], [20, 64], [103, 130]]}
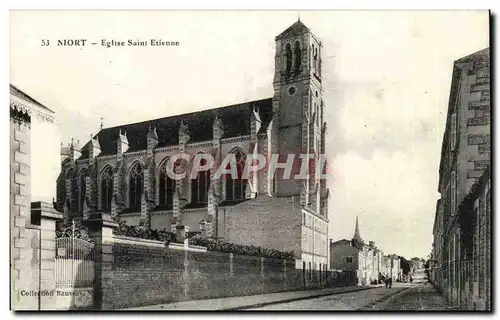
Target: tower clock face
{"points": [[291, 91]]}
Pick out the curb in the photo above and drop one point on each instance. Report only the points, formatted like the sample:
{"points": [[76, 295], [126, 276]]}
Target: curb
{"points": [[263, 304]]}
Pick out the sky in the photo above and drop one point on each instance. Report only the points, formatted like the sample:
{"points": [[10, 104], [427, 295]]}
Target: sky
{"points": [[386, 76]]}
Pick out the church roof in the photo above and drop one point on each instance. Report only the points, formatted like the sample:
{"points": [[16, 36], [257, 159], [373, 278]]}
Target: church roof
{"points": [[295, 29], [235, 120], [19, 93]]}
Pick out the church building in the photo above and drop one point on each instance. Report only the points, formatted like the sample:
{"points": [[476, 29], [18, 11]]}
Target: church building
{"points": [[123, 170]]}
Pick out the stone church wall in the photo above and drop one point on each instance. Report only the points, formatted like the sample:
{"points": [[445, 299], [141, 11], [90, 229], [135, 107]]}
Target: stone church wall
{"points": [[264, 221]]}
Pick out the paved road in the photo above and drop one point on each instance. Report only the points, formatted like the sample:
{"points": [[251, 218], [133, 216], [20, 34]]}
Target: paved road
{"points": [[361, 300], [417, 298]]}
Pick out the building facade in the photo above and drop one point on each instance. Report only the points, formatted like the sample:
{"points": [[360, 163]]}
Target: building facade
{"points": [[30, 123], [364, 261], [44, 143], [465, 154], [123, 170], [391, 268]]}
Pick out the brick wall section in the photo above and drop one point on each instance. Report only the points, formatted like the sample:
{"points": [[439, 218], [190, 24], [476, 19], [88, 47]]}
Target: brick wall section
{"points": [[264, 221], [151, 273]]}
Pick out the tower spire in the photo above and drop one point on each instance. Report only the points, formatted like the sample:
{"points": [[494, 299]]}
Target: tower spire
{"points": [[357, 235]]}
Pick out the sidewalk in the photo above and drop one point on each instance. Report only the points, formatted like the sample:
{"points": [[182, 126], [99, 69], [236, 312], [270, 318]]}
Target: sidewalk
{"points": [[259, 300]]}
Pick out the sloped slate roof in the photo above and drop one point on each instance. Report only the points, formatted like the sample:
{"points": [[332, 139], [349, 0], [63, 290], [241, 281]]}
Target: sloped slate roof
{"points": [[235, 120], [294, 30], [19, 93]]}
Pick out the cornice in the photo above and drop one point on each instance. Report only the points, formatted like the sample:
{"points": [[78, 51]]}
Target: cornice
{"points": [[161, 213], [199, 144], [194, 209], [235, 139], [135, 153], [166, 149], [110, 157], [31, 108]]}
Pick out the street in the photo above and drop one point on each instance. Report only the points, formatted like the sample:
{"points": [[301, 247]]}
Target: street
{"points": [[402, 296]]}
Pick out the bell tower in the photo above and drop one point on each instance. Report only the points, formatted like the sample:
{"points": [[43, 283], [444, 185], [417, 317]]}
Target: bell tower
{"points": [[298, 109]]}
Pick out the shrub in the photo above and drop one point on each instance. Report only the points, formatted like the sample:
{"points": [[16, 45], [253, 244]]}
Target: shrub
{"points": [[223, 246], [143, 233]]}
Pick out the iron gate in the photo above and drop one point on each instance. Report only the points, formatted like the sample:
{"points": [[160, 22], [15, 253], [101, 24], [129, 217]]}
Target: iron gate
{"points": [[74, 268]]}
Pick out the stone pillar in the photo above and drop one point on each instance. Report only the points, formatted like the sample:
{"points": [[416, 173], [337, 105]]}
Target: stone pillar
{"points": [[100, 226], [231, 265], [284, 274], [47, 215], [180, 233], [19, 202]]}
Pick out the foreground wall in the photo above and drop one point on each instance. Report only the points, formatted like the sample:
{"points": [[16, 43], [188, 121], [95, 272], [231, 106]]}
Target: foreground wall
{"points": [[145, 272]]}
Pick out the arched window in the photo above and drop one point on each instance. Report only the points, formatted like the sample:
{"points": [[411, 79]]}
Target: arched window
{"points": [[315, 60], [298, 56], [319, 63], [82, 188], [235, 188], [166, 187], [136, 186], [199, 186], [288, 56], [106, 189]]}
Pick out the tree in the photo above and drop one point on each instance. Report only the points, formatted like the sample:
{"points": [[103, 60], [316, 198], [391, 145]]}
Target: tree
{"points": [[405, 265]]}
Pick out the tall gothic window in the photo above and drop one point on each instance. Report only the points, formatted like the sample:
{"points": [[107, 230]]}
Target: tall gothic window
{"points": [[136, 186], [298, 56], [82, 188], [313, 65], [288, 56], [106, 189], [235, 188], [199, 186], [72, 197], [166, 186], [315, 60]]}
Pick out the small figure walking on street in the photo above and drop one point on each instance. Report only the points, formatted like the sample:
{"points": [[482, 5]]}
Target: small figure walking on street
{"points": [[411, 280]]}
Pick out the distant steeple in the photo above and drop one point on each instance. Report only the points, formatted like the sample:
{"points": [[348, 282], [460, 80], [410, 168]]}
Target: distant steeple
{"points": [[357, 236]]}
